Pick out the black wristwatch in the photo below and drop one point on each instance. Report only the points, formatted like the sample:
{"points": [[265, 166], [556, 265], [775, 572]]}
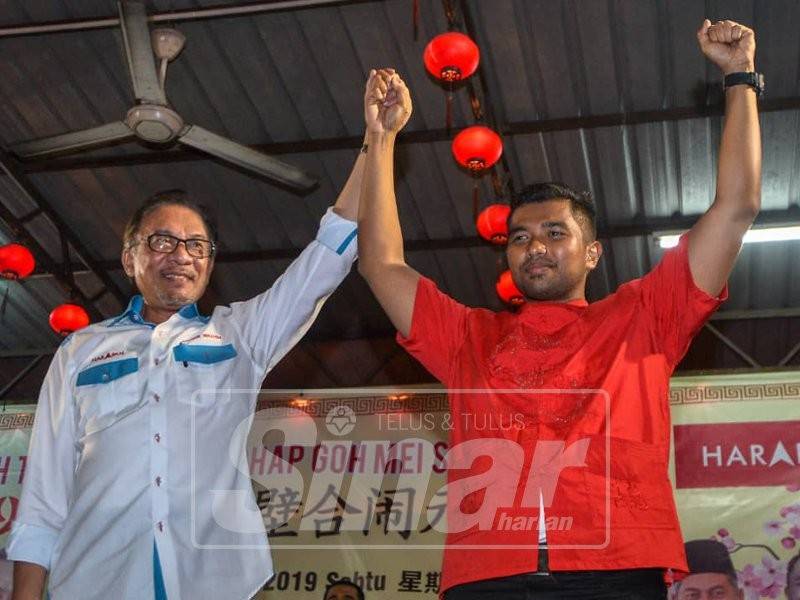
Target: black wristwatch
{"points": [[751, 78]]}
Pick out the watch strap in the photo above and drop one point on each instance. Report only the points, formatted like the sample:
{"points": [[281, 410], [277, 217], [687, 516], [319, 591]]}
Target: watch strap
{"points": [[751, 78]]}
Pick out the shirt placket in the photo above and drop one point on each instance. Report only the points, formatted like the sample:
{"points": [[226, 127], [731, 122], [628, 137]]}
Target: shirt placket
{"points": [[158, 397]]}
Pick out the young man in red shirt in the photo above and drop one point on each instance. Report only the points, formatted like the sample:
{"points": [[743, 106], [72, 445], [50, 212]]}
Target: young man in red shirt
{"points": [[571, 500]]}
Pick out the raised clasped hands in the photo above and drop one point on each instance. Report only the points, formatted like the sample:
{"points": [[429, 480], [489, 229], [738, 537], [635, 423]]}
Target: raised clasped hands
{"points": [[387, 102]]}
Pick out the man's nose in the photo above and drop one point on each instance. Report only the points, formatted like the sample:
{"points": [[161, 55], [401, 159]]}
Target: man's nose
{"points": [[536, 247]]}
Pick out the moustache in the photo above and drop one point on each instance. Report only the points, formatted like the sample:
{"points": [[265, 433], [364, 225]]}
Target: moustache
{"points": [[537, 262]]}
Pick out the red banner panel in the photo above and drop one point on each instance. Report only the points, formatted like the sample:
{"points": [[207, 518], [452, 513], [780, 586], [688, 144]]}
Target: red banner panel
{"points": [[737, 454]]}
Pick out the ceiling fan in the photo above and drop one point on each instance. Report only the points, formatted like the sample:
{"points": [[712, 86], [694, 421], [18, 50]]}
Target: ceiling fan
{"points": [[151, 119]]}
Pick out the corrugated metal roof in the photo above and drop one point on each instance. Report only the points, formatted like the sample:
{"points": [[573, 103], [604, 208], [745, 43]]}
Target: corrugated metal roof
{"points": [[297, 75]]}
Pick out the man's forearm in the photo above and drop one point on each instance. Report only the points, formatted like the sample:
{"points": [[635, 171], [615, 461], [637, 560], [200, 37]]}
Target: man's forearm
{"points": [[380, 238], [28, 581], [739, 171], [346, 205]]}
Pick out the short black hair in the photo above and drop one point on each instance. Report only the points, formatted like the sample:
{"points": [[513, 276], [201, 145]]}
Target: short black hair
{"points": [[581, 203], [173, 197], [356, 587]]}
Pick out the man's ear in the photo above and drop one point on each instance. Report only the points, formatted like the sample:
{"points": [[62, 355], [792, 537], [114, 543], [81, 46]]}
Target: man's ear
{"points": [[127, 261], [593, 253]]}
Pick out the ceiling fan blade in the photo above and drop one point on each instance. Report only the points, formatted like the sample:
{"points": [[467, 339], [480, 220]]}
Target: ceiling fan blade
{"points": [[247, 158], [73, 141], [139, 52]]}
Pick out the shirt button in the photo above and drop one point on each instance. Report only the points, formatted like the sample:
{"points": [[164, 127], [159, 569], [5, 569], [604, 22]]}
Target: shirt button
{"points": [[106, 377], [157, 438], [160, 525], [158, 481], [156, 361], [156, 397]]}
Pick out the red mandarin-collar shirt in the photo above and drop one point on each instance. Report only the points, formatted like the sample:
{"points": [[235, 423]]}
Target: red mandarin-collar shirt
{"points": [[612, 506]]}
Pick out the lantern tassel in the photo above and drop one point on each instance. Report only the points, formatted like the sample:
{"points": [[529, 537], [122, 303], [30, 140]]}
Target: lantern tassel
{"points": [[475, 200], [415, 18], [448, 107], [448, 112]]}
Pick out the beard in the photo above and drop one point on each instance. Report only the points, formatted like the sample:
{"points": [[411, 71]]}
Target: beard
{"points": [[175, 300], [554, 286]]}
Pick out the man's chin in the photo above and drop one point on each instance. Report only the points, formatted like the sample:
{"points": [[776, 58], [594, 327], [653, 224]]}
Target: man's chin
{"points": [[542, 294], [177, 301]]}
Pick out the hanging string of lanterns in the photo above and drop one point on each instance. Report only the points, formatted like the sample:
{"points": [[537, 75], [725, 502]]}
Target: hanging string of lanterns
{"points": [[453, 57], [16, 263]]}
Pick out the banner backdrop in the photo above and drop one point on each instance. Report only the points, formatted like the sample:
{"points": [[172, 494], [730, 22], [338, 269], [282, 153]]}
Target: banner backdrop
{"points": [[736, 471], [352, 486], [15, 433], [374, 507]]}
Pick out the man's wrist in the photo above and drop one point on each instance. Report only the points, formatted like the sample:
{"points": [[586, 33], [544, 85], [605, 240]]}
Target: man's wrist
{"points": [[740, 68], [379, 139]]}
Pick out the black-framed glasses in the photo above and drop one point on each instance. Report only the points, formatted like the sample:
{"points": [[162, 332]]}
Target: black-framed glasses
{"points": [[167, 244]]}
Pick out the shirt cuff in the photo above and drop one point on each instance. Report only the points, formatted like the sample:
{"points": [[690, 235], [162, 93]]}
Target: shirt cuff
{"points": [[31, 543], [338, 234]]}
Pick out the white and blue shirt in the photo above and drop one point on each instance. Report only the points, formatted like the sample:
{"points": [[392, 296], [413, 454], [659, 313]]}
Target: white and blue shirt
{"points": [[129, 449]]}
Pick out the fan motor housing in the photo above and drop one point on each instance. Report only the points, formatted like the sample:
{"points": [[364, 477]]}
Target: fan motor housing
{"points": [[167, 42], [153, 123]]}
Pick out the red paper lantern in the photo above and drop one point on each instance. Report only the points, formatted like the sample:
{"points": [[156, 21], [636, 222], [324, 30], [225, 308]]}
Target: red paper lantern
{"points": [[16, 261], [451, 56], [507, 290], [492, 223], [67, 318], [477, 148]]}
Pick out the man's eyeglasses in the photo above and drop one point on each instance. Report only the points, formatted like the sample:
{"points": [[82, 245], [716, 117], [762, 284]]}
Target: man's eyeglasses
{"points": [[167, 244]]}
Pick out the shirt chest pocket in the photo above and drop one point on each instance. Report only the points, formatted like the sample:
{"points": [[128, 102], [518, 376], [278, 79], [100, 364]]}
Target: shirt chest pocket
{"points": [[203, 369], [106, 393], [200, 355]]}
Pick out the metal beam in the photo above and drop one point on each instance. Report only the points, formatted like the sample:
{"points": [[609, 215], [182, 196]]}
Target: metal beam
{"points": [[763, 313], [733, 346], [209, 12], [790, 355], [411, 137], [9, 166], [638, 227]]}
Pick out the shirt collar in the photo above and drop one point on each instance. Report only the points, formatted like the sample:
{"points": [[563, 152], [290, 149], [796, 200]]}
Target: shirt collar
{"points": [[133, 312], [533, 306]]}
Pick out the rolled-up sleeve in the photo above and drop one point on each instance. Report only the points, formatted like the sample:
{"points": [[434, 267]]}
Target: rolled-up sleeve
{"points": [[274, 321], [673, 304], [49, 470]]}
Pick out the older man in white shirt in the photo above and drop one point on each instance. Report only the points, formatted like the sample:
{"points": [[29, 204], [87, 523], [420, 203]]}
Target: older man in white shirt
{"points": [[126, 456]]}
